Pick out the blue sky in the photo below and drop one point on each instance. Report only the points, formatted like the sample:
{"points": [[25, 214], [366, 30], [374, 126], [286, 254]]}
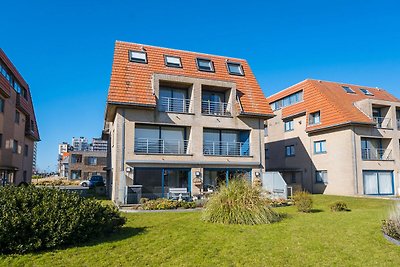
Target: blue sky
{"points": [[64, 49]]}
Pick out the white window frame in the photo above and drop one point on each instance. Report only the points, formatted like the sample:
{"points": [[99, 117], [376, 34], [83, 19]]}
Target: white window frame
{"points": [[320, 147], [288, 125]]}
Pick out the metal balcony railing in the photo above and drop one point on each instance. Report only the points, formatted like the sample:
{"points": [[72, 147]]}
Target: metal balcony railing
{"points": [[382, 122], [161, 146], [226, 148], [215, 108], [376, 154], [169, 104]]}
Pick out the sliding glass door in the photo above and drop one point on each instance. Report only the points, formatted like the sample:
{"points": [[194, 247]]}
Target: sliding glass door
{"points": [[378, 183]]}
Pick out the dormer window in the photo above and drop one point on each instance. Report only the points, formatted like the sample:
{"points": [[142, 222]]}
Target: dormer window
{"points": [[171, 61], [365, 91], [235, 68], [348, 90], [204, 64], [138, 56]]}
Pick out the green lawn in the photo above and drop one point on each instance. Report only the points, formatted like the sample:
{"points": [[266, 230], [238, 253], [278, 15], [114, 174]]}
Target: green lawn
{"points": [[320, 238]]}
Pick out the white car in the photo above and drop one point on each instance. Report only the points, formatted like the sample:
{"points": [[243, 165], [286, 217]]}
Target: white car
{"points": [[84, 183]]}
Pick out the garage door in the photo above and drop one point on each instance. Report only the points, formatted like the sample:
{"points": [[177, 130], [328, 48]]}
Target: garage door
{"points": [[378, 183]]}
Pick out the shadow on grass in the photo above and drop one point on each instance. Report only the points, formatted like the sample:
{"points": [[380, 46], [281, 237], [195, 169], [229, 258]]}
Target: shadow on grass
{"points": [[316, 210]]}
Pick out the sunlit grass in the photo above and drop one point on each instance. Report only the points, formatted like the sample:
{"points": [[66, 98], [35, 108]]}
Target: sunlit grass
{"points": [[319, 238]]}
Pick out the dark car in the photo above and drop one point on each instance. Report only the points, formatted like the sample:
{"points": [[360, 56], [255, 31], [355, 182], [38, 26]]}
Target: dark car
{"points": [[96, 180]]}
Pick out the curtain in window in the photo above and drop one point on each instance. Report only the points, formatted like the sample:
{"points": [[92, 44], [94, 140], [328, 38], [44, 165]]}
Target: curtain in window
{"points": [[371, 183], [385, 183]]}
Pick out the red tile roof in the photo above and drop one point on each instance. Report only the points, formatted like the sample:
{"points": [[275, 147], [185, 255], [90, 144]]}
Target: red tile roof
{"points": [[335, 105], [131, 82], [25, 105]]}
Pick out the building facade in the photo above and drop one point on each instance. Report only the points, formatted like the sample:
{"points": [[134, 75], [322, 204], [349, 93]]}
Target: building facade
{"points": [[335, 138], [83, 164], [179, 119], [80, 143], [99, 144], [18, 127]]}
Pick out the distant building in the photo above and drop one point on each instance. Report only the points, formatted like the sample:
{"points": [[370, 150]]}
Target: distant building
{"points": [[98, 145], [83, 164], [18, 128], [64, 165], [80, 144], [63, 148]]}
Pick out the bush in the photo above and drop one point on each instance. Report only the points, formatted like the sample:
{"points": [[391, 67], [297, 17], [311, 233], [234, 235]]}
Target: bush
{"points": [[239, 203], [43, 218], [166, 204], [339, 206], [391, 226], [303, 201]]}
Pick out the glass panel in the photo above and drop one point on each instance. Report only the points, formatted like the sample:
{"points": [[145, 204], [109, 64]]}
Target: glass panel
{"points": [[204, 64], [211, 140], [370, 183], [174, 178], [235, 68], [147, 139], [173, 140], [385, 183], [151, 181], [213, 179], [229, 143], [138, 56], [173, 61]]}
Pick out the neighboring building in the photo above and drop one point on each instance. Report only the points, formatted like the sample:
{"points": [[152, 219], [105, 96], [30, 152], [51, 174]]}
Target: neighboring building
{"points": [[179, 119], [80, 144], [64, 165], [64, 147], [83, 164], [18, 127], [98, 144], [335, 138]]}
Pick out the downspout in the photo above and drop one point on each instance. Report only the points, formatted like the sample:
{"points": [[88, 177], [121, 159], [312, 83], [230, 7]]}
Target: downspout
{"points": [[355, 162], [122, 179], [262, 146]]}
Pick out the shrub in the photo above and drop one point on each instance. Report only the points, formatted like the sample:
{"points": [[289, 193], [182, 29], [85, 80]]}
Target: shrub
{"points": [[391, 226], [339, 206], [43, 218], [303, 201], [238, 203], [166, 204]]}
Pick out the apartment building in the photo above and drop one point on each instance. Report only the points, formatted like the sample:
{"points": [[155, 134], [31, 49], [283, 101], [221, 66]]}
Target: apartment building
{"points": [[98, 144], [180, 119], [18, 128], [80, 144], [81, 165], [335, 138]]}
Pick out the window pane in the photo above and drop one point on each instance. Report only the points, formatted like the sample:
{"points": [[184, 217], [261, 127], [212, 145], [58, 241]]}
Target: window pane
{"points": [[370, 183], [204, 64], [173, 61], [138, 56], [235, 68], [151, 181], [385, 183]]}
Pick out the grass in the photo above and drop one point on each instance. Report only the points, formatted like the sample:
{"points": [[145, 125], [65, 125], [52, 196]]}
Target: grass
{"points": [[322, 238]]}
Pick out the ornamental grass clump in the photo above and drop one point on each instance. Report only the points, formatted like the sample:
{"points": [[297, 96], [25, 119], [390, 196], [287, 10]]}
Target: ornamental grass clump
{"points": [[33, 219], [239, 203], [391, 226]]}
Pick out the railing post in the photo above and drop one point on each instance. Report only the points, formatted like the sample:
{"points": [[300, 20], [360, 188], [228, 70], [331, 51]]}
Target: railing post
{"points": [[147, 146], [213, 143], [163, 146], [227, 148]]}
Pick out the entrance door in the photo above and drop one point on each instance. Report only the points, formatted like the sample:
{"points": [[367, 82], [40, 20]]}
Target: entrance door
{"points": [[378, 183]]}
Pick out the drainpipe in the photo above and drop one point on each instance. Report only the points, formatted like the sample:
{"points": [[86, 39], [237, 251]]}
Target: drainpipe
{"points": [[355, 161], [261, 145], [122, 179]]}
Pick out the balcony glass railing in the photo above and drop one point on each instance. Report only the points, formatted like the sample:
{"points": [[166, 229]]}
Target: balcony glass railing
{"points": [[160, 146], [215, 148], [215, 108], [376, 154], [169, 104], [382, 122]]}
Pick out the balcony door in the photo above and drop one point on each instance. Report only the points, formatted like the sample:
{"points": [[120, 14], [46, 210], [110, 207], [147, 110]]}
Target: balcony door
{"points": [[213, 103], [371, 148], [173, 99], [378, 182]]}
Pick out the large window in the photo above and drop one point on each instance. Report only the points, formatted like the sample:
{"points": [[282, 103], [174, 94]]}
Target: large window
{"points": [[157, 182], [174, 100], [92, 161], [290, 151], [15, 146], [204, 64], [287, 101], [315, 118], [214, 178], [320, 147], [321, 177], [213, 103], [378, 183], [235, 68], [153, 139], [289, 126], [138, 56], [226, 142]]}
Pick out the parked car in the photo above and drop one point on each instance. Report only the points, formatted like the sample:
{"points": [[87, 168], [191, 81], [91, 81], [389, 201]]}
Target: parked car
{"points": [[95, 180]]}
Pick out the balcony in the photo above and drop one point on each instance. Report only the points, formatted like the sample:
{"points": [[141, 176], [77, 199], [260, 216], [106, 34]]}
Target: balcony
{"points": [[215, 148], [215, 108], [376, 154], [161, 146], [382, 122], [178, 105]]}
